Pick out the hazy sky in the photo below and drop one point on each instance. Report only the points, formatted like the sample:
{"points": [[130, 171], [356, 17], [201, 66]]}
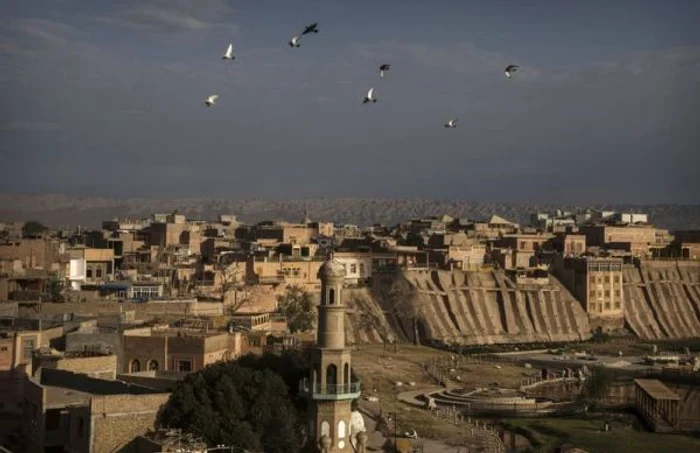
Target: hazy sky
{"points": [[107, 97]]}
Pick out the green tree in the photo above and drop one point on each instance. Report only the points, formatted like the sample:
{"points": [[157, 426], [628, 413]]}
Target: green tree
{"points": [[297, 306], [232, 403], [33, 227], [54, 290], [596, 386]]}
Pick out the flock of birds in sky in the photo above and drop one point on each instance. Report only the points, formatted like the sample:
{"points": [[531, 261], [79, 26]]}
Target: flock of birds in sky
{"points": [[369, 97]]}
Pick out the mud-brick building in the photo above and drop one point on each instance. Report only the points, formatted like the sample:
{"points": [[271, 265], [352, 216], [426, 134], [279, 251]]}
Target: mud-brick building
{"points": [[183, 350], [72, 412]]}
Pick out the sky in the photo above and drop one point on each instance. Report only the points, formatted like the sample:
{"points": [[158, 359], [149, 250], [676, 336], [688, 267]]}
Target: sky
{"points": [[106, 98]]}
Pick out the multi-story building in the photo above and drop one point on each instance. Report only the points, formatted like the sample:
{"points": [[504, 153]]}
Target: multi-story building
{"points": [[184, 350], [66, 411], [34, 253], [90, 265], [16, 352], [358, 265], [597, 284]]}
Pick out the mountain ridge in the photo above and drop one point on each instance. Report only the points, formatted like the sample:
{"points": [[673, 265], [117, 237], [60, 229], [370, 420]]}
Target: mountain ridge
{"points": [[60, 210]]}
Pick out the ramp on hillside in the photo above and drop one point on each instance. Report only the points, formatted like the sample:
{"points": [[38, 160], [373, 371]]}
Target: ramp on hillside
{"points": [[662, 299]]}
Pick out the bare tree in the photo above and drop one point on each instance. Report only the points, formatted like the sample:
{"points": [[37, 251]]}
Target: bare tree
{"points": [[408, 305]]}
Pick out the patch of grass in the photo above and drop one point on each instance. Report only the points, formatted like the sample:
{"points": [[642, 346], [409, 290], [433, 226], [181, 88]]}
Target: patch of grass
{"points": [[548, 433]]}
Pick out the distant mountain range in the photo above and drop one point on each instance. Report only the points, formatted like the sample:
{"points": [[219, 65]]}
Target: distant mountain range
{"points": [[70, 211]]}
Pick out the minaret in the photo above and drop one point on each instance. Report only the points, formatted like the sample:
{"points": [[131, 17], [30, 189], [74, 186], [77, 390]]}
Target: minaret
{"points": [[329, 387]]}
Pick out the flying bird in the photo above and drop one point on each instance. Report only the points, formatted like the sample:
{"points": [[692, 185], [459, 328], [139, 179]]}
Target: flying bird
{"points": [[211, 100], [295, 42], [451, 124], [383, 69], [369, 97], [229, 53], [310, 28], [510, 69]]}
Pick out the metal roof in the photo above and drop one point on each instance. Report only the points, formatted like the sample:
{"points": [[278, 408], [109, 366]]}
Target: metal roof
{"points": [[656, 389]]}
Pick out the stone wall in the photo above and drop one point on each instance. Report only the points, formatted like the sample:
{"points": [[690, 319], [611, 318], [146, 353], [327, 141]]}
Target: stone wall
{"points": [[141, 310], [662, 299]]}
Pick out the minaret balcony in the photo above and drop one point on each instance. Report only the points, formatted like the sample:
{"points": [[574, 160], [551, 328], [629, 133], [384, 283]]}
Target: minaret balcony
{"points": [[331, 392]]}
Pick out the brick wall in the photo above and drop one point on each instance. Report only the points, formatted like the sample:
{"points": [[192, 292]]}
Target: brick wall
{"points": [[147, 350], [117, 419], [102, 367]]}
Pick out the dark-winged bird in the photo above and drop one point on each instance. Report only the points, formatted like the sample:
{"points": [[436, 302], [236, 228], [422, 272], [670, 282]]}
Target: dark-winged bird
{"points": [[510, 69], [383, 69], [311, 29]]}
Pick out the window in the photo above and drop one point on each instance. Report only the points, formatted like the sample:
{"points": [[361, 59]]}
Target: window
{"points": [[331, 376], [607, 305], [353, 268], [134, 366], [607, 279], [592, 294], [362, 269], [617, 293], [27, 348], [607, 293], [98, 272], [53, 419], [617, 279], [184, 366], [3, 349], [617, 305], [593, 280], [88, 273], [331, 296], [153, 365], [80, 426]]}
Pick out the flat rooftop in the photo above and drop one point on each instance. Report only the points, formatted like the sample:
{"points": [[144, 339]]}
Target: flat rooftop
{"points": [[656, 389], [58, 397]]}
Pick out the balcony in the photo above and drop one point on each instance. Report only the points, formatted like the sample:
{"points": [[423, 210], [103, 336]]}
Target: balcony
{"points": [[329, 392]]}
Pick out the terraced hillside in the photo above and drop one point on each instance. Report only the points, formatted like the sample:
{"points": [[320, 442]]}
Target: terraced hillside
{"points": [[662, 299], [471, 308]]}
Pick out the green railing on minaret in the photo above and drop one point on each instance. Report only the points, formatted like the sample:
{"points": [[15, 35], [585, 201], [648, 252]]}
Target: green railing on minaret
{"points": [[318, 391]]}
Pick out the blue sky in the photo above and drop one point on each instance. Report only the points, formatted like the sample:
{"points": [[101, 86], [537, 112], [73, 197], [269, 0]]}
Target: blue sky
{"points": [[107, 98]]}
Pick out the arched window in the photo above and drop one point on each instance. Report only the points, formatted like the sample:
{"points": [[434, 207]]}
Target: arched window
{"points": [[331, 296], [134, 366], [346, 374], [341, 434], [98, 272], [331, 377], [88, 273], [153, 365]]}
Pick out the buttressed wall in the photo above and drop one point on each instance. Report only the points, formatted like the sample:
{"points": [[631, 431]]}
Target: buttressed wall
{"points": [[474, 308], [662, 299]]}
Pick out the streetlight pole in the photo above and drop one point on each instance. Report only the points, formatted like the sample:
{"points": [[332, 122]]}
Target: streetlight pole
{"points": [[396, 427]]}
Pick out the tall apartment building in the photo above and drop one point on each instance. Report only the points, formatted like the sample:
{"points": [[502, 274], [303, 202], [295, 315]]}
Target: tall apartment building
{"points": [[598, 286]]}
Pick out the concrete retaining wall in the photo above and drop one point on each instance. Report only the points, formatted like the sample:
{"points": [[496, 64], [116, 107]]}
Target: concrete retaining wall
{"points": [[662, 299], [473, 308]]}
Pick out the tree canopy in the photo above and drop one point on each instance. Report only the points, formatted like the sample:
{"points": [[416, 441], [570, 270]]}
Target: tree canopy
{"points": [[297, 306], [33, 227], [246, 403]]}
